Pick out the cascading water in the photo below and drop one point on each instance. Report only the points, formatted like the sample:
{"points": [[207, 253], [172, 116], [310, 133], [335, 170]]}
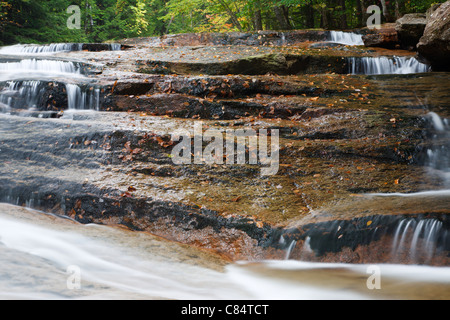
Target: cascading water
{"points": [[37, 49], [23, 83], [21, 94], [419, 236], [53, 67], [116, 264], [385, 65], [346, 38], [82, 99], [50, 48], [411, 239], [439, 155]]}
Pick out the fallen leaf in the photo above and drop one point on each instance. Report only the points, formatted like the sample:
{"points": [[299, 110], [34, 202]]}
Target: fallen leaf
{"points": [[237, 199], [114, 87]]}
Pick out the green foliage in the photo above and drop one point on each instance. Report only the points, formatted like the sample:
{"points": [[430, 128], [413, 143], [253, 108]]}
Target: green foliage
{"points": [[44, 21]]}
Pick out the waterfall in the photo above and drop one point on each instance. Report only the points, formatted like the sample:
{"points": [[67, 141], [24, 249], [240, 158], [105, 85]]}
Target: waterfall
{"points": [[46, 257], [79, 99], [37, 49], [30, 94], [49, 84], [419, 240], [346, 38], [115, 46], [411, 239], [386, 65], [51, 48], [21, 94], [53, 67], [439, 154]]}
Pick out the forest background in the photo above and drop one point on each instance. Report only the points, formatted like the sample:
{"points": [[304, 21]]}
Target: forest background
{"points": [[45, 21]]}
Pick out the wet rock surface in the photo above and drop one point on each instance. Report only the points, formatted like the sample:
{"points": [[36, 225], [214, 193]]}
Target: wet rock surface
{"points": [[384, 37], [410, 29], [341, 137], [434, 46]]}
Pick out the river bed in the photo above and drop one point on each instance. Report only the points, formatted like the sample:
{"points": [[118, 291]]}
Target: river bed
{"points": [[42, 256], [358, 209]]}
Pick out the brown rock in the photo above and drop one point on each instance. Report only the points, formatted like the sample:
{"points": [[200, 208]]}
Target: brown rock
{"points": [[410, 29], [434, 46], [385, 37]]}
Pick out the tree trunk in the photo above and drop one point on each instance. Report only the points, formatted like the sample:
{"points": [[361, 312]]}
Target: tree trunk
{"points": [[358, 13], [282, 15], [257, 20], [308, 13], [364, 16], [397, 9], [89, 21], [233, 16], [325, 18], [344, 24], [386, 13]]}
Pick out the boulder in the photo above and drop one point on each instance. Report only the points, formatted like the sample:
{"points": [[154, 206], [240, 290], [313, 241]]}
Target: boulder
{"points": [[434, 46], [431, 10], [385, 37], [410, 29]]}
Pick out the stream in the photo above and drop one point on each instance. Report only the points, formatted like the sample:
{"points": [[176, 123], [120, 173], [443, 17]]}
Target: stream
{"points": [[53, 157], [40, 253]]}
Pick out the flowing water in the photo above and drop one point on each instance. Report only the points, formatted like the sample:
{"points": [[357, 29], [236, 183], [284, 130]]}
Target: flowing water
{"points": [[439, 154], [346, 38], [415, 240], [48, 49], [23, 82], [42, 254], [48, 257], [376, 65], [386, 65]]}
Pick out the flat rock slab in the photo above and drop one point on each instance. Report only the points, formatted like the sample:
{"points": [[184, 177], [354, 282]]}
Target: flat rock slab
{"points": [[341, 137]]}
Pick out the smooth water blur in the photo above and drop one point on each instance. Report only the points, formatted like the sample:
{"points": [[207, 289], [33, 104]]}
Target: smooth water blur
{"points": [[39, 252], [48, 48], [346, 38], [386, 65], [40, 49]]}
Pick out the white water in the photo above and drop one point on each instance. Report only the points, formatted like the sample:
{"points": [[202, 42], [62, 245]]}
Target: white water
{"points": [[346, 38], [438, 161], [52, 67], [414, 236], [439, 155], [28, 91], [386, 65], [41, 49], [38, 250], [48, 49], [25, 82], [82, 100]]}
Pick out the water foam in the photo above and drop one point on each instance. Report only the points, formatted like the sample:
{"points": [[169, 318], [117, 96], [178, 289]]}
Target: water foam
{"points": [[346, 38], [385, 65]]}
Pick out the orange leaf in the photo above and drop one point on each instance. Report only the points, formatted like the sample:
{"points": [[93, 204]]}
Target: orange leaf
{"points": [[237, 199]]}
